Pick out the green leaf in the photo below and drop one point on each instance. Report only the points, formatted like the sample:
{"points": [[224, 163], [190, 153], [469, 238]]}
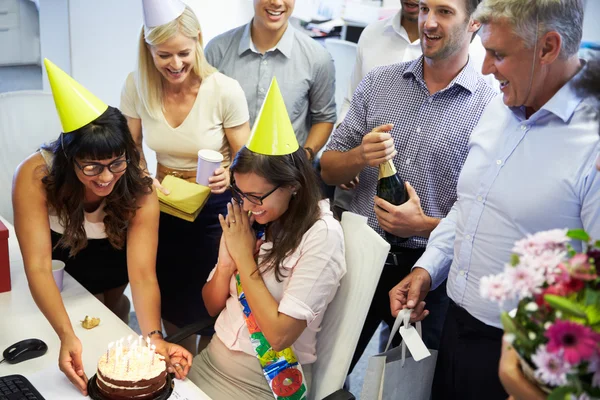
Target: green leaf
{"points": [[593, 314], [565, 305], [597, 243], [578, 234], [509, 327], [561, 393], [514, 260], [508, 323], [592, 297]]}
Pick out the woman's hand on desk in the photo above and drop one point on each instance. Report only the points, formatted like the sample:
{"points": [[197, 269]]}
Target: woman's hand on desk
{"points": [[69, 362], [178, 359], [239, 236], [219, 182]]}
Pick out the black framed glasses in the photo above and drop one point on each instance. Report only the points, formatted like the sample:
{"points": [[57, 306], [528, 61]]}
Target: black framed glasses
{"points": [[93, 168], [239, 196]]}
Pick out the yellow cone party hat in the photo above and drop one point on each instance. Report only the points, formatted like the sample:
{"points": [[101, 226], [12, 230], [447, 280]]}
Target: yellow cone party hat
{"points": [[76, 106], [273, 134]]}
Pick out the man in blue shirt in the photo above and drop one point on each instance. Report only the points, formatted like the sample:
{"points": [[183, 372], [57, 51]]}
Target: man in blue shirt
{"points": [[530, 168], [511, 375], [419, 114]]}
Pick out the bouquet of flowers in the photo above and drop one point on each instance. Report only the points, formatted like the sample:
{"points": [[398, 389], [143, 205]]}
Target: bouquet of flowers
{"points": [[555, 328]]}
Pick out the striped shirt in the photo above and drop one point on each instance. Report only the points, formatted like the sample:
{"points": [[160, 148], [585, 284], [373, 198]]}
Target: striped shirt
{"points": [[431, 133]]}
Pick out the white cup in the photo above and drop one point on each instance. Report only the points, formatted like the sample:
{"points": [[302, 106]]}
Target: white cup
{"points": [[208, 162], [58, 271]]}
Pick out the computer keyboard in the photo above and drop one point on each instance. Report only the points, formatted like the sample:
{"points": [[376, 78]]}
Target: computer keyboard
{"points": [[17, 387]]}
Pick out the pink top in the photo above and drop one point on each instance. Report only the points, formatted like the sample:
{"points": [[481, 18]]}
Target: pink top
{"points": [[313, 273]]}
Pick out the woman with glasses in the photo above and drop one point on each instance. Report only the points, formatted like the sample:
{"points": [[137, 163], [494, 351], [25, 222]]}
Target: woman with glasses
{"points": [[180, 104], [83, 199], [270, 294]]}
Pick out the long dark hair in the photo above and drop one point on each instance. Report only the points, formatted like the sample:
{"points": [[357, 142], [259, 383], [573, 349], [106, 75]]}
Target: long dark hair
{"points": [[106, 137], [303, 211]]}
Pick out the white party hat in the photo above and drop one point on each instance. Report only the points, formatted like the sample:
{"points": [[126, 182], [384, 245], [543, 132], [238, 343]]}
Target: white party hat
{"points": [[160, 12]]}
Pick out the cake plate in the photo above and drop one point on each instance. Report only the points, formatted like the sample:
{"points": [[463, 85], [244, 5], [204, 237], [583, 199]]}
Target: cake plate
{"points": [[95, 394]]}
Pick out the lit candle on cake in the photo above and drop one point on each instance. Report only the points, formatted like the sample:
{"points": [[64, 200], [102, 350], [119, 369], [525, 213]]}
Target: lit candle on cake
{"points": [[110, 345]]}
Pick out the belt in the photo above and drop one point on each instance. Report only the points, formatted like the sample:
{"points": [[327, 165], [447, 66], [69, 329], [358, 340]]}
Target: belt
{"points": [[397, 252], [188, 175]]}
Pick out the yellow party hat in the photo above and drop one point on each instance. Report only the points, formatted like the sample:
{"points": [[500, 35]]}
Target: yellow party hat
{"points": [[76, 106], [273, 134]]}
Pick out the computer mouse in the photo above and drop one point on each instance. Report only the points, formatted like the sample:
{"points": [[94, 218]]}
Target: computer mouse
{"points": [[25, 350]]}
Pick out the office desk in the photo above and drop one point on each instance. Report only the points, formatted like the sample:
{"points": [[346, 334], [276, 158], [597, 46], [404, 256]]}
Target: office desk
{"points": [[21, 319]]}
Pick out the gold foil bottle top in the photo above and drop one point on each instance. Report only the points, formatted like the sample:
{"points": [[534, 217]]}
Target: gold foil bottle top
{"points": [[386, 169]]}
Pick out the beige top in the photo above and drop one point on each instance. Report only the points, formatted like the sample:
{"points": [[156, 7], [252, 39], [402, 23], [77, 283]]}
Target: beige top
{"points": [[220, 104]]}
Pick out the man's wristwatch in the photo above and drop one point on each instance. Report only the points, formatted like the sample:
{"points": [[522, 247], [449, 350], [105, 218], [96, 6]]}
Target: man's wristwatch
{"points": [[311, 153]]}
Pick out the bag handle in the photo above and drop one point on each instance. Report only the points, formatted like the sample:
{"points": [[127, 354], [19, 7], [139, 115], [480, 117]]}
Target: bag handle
{"points": [[403, 318]]}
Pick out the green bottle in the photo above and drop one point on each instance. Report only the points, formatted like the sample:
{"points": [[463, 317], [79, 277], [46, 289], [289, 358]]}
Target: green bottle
{"points": [[390, 187]]}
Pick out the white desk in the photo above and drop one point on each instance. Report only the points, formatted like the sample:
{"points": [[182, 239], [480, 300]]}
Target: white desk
{"points": [[21, 319]]}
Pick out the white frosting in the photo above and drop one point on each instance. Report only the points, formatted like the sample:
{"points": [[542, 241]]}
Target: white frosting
{"points": [[133, 364]]}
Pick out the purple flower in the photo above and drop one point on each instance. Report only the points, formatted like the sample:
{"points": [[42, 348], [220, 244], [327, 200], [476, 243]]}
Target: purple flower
{"points": [[583, 396], [523, 280], [576, 342], [546, 264], [542, 242], [493, 287], [551, 368], [594, 367]]}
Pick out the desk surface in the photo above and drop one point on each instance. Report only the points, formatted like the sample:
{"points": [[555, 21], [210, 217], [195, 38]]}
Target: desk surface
{"points": [[21, 319]]}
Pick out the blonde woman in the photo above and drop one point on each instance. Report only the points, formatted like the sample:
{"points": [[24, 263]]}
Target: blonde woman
{"points": [[181, 104]]}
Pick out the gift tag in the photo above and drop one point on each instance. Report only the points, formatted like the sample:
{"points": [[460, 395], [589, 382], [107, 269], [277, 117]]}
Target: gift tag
{"points": [[413, 341]]}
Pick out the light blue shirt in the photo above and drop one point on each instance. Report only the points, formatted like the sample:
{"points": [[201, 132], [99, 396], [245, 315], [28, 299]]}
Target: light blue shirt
{"points": [[521, 176], [303, 68]]}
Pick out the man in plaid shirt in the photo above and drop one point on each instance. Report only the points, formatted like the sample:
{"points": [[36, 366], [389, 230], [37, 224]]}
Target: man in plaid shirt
{"points": [[419, 114]]}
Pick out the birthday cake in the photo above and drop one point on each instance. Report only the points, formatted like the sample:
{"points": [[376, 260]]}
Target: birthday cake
{"points": [[131, 371]]}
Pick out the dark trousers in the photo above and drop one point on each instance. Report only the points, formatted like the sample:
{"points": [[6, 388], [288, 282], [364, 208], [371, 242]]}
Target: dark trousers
{"points": [[467, 364], [394, 271]]}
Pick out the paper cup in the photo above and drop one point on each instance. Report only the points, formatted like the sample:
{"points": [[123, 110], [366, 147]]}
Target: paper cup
{"points": [[58, 271], [208, 162]]}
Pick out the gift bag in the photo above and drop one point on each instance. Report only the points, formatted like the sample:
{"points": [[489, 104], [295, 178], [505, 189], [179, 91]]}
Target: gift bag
{"points": [[396, 375]]}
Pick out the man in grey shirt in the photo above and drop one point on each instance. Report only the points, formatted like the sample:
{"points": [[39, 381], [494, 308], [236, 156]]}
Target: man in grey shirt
{"points": [[269, 46]]}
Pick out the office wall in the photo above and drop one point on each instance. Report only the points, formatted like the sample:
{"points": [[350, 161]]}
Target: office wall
{"points": [[104, 36], [591, 28], [54, 35]]}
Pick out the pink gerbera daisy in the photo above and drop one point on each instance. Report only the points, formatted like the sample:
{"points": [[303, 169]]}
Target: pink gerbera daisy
{"points": [[578, 342]]}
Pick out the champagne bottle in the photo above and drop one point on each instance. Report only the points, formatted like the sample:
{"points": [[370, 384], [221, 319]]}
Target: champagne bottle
{"points": [[391, 188]]}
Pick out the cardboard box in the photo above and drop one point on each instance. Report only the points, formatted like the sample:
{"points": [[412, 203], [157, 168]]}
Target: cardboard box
{"points": [[4, 260]]}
